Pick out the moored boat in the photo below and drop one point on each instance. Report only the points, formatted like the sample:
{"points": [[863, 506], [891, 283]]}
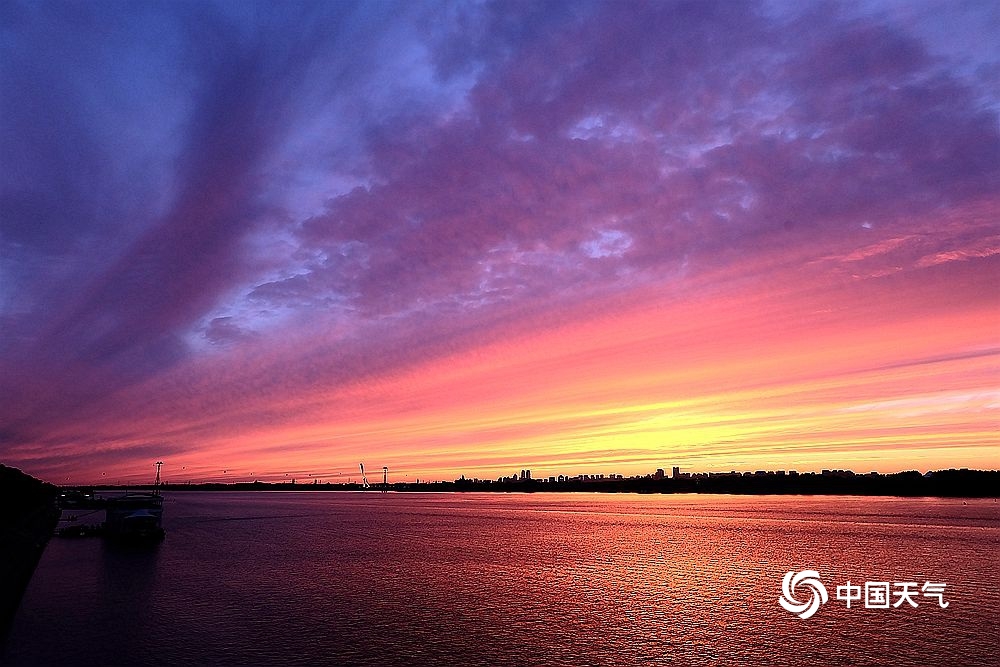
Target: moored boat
{"points": [[134, 516]]}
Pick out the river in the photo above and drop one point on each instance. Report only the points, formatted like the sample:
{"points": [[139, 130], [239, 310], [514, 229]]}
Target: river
{"points": [[262, 578]]}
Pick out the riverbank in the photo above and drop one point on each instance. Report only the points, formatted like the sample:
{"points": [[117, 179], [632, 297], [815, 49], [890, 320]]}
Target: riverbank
{"points": [[936, 484], [27, 520]]}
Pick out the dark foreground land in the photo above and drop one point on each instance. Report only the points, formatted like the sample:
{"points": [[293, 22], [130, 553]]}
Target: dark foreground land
{"points": [[941, 483], [27, 520]]}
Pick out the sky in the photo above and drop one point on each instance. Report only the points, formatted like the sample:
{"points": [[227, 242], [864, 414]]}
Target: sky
{"points": [[274, 240]]}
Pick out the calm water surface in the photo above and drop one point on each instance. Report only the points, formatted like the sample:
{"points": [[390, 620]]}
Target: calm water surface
{"points": [[516, 579]]}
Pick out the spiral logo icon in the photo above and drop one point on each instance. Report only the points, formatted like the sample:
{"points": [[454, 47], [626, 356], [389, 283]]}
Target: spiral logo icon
{"points": [[817, 593]]}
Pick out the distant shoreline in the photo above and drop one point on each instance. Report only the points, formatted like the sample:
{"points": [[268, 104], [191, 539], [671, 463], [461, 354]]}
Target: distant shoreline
{"points": [[941, 484]]}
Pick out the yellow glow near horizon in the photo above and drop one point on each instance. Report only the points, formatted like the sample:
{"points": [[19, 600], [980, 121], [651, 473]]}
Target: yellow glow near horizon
{"points": [[633, 391]]}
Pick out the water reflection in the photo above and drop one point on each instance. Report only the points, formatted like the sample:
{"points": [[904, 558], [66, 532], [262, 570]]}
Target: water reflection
{"points": [[496, 580]]}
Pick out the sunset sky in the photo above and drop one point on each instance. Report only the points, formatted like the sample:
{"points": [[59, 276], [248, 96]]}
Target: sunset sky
{"points": [[274, 240]]}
